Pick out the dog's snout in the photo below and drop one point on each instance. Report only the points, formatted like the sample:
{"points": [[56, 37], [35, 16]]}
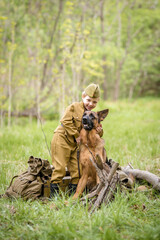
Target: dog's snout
{"points": [[85, 120]]}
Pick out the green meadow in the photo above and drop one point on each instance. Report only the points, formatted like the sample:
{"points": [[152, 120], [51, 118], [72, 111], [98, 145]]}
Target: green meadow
{"points": [[132, 135]]}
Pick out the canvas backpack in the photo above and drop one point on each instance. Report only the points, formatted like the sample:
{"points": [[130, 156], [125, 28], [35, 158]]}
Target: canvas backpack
{"points": [[32, 184]]}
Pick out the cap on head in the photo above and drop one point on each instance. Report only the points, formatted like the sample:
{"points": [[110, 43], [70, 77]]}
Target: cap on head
{"points": [[92, 90]]}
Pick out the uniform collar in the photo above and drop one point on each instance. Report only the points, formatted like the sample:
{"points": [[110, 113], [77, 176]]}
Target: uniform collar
{"points": [[82, 105]]}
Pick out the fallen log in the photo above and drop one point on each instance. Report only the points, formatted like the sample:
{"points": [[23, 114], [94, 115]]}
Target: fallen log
{"points": [[25, 113], [144, 175]]}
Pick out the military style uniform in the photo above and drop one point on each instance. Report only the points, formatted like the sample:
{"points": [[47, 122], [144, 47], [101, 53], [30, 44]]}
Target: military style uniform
{"points": [[64, 146]]}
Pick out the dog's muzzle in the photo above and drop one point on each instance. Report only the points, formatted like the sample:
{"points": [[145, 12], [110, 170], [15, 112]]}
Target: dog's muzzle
{"points": [[87, 123]]}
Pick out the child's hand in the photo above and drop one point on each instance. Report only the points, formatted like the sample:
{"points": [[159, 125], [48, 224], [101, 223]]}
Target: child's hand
{"points": [[78, 140], [99, 129]]}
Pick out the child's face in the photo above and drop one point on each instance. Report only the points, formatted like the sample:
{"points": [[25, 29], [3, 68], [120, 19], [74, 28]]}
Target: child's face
{"points": [[89, 103]]}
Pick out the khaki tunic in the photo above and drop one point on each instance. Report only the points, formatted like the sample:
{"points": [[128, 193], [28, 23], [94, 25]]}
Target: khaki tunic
{"points": [[64, 146]]}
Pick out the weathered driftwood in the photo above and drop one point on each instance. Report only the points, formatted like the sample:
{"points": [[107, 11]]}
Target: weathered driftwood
{"points": [[111, 177], [144, 175], [106, 188]]}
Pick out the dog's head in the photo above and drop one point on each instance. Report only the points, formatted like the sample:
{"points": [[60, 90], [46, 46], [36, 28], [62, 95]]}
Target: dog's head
{"points": [[91, 119]]}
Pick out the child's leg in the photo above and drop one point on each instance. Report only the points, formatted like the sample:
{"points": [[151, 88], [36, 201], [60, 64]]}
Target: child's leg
{"points": [[73, 167], [60, 157]]}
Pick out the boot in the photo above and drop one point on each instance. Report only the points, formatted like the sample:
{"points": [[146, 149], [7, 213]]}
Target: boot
{"points": [[72, 188], [54, 189]]}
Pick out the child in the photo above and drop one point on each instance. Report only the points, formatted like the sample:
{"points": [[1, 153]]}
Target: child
{"points": [[66, 139]]}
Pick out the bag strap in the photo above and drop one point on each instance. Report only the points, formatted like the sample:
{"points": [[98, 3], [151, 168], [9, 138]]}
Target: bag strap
{"points": [[78, 153], [14, 178]]}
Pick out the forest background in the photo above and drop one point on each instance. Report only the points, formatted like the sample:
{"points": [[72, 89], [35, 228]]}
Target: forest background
{"points": [[51, 50]]}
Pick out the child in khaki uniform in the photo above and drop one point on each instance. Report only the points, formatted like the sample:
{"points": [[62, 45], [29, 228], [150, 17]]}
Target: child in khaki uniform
{"points": [[66, 139]]}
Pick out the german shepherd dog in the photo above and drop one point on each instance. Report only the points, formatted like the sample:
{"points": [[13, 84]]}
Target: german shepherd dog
{"points": [[91, 144]]}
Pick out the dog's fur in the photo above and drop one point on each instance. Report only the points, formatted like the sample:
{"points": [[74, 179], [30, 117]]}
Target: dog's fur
{"points": [[90, 143]]}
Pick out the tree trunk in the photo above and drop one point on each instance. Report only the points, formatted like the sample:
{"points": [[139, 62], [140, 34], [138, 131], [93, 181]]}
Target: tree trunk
{"points": [[10, 87], [38, 97], [119, 62], [62, 91], [117, 83], [50, 43], [73, 79], [132, 87], [1, 118], [105, 91], [143, 83]]}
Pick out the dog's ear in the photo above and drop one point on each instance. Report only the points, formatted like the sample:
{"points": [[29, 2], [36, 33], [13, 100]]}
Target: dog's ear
{"points": [[102, 114]]}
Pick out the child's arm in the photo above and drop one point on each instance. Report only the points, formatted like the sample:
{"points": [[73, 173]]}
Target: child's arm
{"points": [[67, 122]]}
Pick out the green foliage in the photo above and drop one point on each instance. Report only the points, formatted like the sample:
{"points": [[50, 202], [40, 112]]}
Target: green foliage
{"points": [[58, 47], [131, 133]]}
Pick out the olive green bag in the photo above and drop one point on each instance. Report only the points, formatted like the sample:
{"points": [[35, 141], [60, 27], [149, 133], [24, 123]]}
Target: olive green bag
{"points": [[32, 184]]}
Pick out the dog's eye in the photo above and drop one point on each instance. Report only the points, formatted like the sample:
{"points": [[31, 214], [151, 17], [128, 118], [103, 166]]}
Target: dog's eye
{"points": [[92, 116], [84, 114]]}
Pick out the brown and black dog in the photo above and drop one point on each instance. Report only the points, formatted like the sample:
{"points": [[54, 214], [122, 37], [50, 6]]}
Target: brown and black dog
{"points": [[91, 144]]}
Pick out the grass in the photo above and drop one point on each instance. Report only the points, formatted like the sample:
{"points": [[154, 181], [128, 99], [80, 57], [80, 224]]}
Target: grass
{"points": [[131, 133]]}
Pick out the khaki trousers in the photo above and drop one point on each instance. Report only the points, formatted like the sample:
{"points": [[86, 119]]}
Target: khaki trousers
{"points": [[64, 154]]}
